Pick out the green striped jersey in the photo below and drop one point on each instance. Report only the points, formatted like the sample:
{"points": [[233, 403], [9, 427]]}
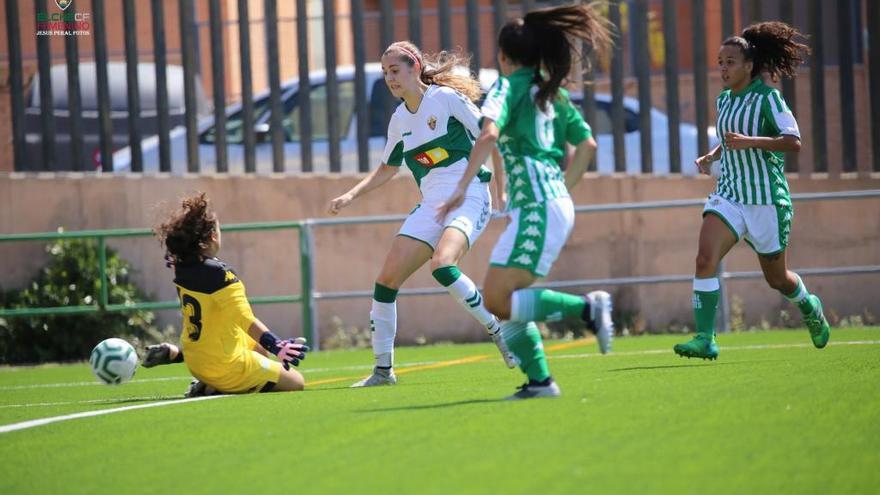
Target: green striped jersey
{"points": [[754, 176], [436, 140], [532, 141]]}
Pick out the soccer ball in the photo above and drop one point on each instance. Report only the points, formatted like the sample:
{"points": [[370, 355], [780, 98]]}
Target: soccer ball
{"points": [[113, 361]]}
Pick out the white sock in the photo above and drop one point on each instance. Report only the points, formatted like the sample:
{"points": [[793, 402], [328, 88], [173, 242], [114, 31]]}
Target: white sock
{"points": [[464, 290], [800, 292], [383, 318]]}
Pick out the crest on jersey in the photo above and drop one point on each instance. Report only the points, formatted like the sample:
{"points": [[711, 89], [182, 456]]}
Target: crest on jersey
{"points": [[432, 122], [63, 4]]}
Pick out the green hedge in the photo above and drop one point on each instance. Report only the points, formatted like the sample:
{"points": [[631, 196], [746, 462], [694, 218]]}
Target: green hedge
{"points": [[71, 278]]}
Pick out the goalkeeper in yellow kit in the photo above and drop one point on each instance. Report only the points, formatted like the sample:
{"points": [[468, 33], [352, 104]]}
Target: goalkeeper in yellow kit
{"points": [[223, 344]]}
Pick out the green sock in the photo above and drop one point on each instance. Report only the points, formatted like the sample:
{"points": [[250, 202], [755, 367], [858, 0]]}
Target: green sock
{"points": [[801, 298], [524, 341], [545, 305], [706, 292], [705, 304]]}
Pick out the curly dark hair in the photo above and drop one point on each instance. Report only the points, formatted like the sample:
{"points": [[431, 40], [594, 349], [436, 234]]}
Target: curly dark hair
{"points": [[187, 232], [773, 47], [545, 38]]}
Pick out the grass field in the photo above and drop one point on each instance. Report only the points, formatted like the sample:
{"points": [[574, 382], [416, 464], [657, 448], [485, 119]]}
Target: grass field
{"points": [[772, 415]]}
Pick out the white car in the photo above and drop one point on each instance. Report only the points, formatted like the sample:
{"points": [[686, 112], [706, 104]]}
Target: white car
{"points": [[377, 98], [632, 139]]}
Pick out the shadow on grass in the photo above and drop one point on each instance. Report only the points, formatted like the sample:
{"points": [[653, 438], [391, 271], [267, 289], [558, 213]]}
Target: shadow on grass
{"points": [[675, 366], [430, 406]]}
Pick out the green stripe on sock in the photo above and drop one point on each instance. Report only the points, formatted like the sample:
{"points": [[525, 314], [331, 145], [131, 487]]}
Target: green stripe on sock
{"points": [[384, 294], [524, 341], [446, 275], [547, 305]]}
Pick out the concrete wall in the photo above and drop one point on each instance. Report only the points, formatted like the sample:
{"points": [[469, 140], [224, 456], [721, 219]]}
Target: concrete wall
{"points": [[663, 242]]}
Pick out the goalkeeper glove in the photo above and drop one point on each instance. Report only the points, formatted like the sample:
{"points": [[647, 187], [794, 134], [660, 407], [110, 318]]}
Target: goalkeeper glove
{"points": [[290, 351], [159, 354]]}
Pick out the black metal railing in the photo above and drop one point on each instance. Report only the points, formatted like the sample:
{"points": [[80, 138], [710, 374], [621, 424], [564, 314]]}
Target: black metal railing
{"points": [[842, 34]]}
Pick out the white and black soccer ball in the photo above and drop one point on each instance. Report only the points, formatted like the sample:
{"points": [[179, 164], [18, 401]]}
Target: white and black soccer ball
{"points": [[113, 361]]}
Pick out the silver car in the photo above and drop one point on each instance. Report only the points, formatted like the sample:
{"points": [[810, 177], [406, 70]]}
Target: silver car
{"points": [[377, 98], [89, 118]]}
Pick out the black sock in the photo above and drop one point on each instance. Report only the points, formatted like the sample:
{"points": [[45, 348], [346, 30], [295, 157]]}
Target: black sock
{"points": [[542, 383], [585, 315]]}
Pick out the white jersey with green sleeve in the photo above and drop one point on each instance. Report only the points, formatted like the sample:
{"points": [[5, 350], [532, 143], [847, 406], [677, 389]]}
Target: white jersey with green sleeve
{"points": [[435, 140], [754, 176], [529, 137]]}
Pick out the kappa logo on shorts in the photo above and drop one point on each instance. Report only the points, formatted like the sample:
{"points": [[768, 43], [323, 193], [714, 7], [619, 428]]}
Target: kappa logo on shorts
{"points": [[529, 245], [532, 231], [523, 259], [534, 217], [432, 122], [484, 216]]}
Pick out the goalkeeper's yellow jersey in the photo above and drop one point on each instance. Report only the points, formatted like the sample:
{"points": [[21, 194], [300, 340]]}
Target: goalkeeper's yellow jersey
{"points": [[216, 317]]}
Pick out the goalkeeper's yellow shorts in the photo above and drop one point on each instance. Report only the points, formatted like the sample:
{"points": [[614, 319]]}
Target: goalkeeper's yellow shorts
{"points": [[247, 374]]}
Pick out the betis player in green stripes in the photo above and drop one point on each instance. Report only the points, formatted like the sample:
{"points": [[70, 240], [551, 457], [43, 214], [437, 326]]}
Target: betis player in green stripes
{"points": [[751, 200], [530, 118], [432, 132]]}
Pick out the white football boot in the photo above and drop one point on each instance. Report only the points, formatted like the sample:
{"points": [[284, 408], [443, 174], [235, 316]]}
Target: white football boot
{"points": [[378, 377], [600, 319], [510, 360]]}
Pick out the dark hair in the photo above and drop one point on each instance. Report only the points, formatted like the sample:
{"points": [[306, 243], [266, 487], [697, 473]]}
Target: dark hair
{"points": [[187, 232], [545, 39], [439, 68], [772, 48]]}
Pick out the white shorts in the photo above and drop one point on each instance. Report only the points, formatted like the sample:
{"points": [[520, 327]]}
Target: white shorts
{"points": [[764, 227], [470, 218], [535, 236]]}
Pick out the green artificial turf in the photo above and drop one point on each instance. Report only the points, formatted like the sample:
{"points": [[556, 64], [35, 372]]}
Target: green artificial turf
{"points": [[772, 415]]}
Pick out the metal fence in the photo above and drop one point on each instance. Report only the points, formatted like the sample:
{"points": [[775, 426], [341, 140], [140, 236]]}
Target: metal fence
{"points": [[310, 296], [261, 122]]}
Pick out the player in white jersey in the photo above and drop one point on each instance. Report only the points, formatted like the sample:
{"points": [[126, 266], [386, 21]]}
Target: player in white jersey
{"points": [[751, 200], [432, 132], [531, 117]]}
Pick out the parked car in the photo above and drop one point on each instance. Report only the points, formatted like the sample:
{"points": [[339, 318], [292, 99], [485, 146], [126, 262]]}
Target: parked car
{"points": [[377, 97], [118, 87], [602, 130]]}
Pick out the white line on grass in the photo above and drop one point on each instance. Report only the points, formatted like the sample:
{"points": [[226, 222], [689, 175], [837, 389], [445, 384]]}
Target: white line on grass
{"points": [[186, 377], [76, 402], [723, 348], [88, 384], [45, 421], [308, 371]]}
